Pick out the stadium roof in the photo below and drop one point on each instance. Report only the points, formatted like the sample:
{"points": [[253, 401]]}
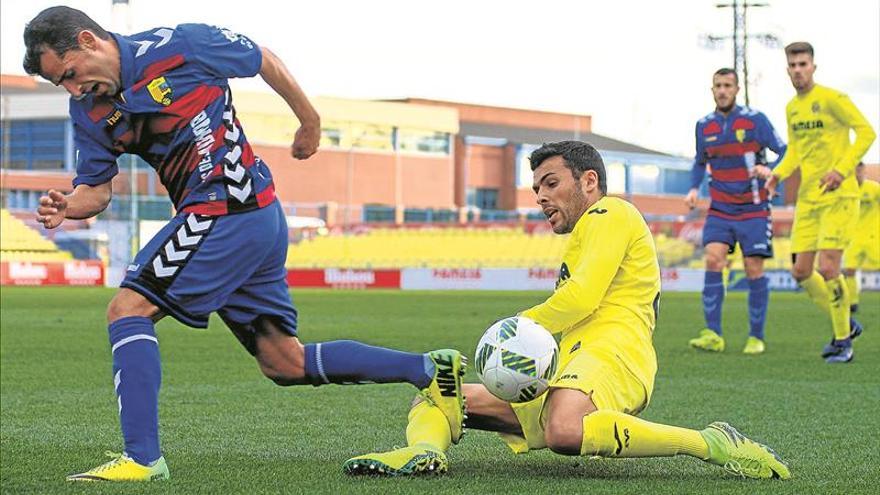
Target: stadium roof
{"points": [[525, 135]]}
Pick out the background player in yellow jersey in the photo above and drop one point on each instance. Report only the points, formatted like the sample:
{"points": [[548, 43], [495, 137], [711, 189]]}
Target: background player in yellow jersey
{"points": [[863, 251], [819, 122], [605, 306]]}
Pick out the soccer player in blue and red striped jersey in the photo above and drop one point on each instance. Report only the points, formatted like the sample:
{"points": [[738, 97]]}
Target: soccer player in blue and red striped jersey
{"points": [[731, 143], [164, 95]]}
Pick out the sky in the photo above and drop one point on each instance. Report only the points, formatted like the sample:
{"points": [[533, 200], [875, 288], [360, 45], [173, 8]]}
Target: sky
{"points": [[638, 67]]}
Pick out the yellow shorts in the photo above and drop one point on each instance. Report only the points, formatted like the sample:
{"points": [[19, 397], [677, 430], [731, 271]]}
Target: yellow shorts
{"points": [[819, 227], [863, 253], [593, 371]]}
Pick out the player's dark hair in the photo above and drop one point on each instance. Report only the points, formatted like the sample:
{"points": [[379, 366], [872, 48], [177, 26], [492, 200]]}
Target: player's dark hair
{"points": [[578, 156], [56, 28], [798, 47], [724, 71]]}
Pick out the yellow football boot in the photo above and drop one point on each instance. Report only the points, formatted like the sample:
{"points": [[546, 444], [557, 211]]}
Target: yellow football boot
{"points": [[708, 341], [123, 468], [399, 462], [754, 345], [737, 454]]}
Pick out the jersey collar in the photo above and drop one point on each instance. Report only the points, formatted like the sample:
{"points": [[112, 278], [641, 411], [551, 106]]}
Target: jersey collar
{"points": [[126, 60], [736, 110]]}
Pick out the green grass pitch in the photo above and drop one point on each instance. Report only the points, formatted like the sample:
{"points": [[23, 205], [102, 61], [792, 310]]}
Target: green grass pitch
{"points": [[226, 429]]}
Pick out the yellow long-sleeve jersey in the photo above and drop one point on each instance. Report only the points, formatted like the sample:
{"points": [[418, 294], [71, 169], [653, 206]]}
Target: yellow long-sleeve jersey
{"points": [[869, 212], [608, 291], [818, 142]]}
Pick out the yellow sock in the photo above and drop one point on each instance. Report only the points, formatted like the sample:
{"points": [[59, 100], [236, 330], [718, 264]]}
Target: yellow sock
{"points": [[615, 434], [838, 299], [428, 427], [852, 286], [816, 288]]}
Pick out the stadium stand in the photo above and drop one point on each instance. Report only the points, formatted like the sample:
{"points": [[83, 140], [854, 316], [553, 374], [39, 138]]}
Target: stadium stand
{"points": [[493, 247], [18, 242]]}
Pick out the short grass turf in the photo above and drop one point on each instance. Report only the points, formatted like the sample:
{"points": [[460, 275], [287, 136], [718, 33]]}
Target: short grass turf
{"points": [[227, 429]]}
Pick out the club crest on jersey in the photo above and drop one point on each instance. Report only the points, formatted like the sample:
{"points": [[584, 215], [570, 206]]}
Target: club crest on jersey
{"points": [[815, 108], [740, 135], [160, 90]]}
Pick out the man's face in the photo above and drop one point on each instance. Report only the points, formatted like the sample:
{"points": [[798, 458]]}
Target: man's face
{"points": [[800, 70], [560, 196], [724, 90], [84, 70]]}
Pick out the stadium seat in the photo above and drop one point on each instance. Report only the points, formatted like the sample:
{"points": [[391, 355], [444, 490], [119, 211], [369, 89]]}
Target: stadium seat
{"points": [[18, 242], [454, 247]]}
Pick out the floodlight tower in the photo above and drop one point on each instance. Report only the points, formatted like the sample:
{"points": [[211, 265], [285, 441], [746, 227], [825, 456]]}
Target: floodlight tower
{"points": [[740, 38], [121, 15]]}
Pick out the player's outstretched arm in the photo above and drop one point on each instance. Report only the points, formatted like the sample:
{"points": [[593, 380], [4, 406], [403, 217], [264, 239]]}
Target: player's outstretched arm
{"points": [[84, 202], [276, 75]]}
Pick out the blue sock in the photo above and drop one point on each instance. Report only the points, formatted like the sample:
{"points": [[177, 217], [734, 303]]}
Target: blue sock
{"points": [[350, 362], [137, 375], [759, 295], [713, 298]]}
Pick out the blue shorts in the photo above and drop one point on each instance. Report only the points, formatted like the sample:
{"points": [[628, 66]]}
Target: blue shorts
{"points": [[231, 264], [754, 235]]}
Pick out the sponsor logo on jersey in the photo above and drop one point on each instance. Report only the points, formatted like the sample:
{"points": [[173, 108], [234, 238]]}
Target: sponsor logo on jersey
{"points": [[711, 139], [811, 124], [564, 274], [201, 127], [160, 90], [113, 119]]}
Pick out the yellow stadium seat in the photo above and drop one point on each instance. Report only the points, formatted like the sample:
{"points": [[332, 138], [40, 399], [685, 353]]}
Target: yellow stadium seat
{"points": [[18, 242]]}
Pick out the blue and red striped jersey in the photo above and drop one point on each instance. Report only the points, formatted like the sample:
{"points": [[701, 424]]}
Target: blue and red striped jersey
{"points": [[730, 146], [175, 111]]}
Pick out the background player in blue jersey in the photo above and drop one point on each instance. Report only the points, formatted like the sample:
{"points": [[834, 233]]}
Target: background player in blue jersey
{"points": [[731, 142], [163, 94]]}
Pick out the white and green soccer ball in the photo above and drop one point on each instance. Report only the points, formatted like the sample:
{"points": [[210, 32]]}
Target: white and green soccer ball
{"points": [[516, 359]]}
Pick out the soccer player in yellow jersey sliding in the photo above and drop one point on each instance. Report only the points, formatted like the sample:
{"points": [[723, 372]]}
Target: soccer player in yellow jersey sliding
{"points": [[819, 121], [605, 306], [863, 251]]}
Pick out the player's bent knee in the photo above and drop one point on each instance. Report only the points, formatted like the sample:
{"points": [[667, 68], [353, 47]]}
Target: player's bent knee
{"points": [[564, 435], [281, 356], [800, 274], [829, 271], [127, 303]]}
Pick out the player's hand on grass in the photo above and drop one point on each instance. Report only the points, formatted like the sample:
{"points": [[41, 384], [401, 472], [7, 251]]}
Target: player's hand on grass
{"points": [[762, 172], [52, 207], [305, 142], [831, 181], [691, 199]]}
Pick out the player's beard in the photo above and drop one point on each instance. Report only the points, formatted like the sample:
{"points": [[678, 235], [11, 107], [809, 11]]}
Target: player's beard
{"points": [[576, 208], [728, 108]]}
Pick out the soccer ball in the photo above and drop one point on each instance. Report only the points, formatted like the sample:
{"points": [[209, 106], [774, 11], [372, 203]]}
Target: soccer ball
{"points": [[516, 359]]}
